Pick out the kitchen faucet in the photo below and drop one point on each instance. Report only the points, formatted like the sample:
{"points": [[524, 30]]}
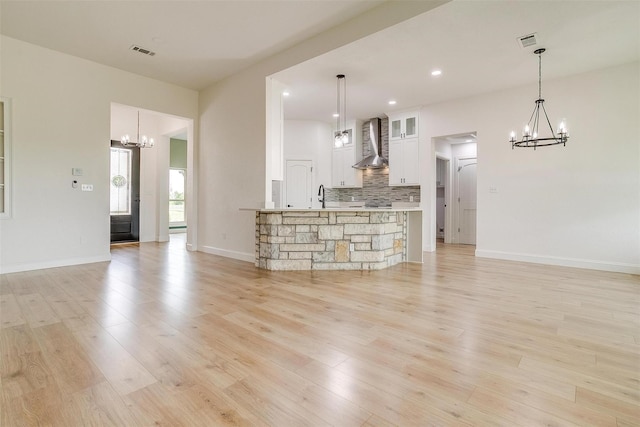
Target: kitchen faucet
{"points": [[321, 192]]}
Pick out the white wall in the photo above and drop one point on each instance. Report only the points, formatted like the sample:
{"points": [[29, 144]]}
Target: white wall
{"points": [[233, 172], [310, 140], [577, 205], [61, 119]]}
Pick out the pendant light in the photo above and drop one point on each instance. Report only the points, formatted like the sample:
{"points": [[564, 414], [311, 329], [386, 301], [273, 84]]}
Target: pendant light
{"points": [[141, 141], [341, 136], [530, 135]]}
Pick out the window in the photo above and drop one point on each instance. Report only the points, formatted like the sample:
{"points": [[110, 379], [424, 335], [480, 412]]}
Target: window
{"points": [[120, 181], [5, 158], [177, 181]]}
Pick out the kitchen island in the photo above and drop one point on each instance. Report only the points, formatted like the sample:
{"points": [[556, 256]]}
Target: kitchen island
{"points": [[337, 238]]}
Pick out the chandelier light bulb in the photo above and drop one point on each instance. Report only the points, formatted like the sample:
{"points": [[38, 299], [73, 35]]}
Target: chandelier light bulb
{"points": [[562, 129], [512, 137]]}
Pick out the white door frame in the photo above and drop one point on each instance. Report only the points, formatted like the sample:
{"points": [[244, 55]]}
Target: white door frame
{"points": [[456, 195], [448, 219]]}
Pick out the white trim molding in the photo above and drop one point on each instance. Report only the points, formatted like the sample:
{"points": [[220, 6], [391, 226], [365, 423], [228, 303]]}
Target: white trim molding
{"points": [[560, 261], [242, 256], [16, 268]]}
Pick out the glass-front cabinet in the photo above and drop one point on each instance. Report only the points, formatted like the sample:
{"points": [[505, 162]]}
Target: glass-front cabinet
{"points": [[5, 157], [403, 125]]}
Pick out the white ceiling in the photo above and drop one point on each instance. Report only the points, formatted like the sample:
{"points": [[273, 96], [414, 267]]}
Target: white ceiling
{"points": [[196, 42], [474, 42]]}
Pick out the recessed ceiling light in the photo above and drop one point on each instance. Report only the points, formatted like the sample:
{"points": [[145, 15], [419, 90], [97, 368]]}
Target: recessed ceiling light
{"points": [[392, 102], [336, 115], [285, 93], [468, 140], [436, 73]]}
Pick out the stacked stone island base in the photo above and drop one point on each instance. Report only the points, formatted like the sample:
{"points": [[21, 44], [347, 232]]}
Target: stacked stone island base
{"points": [[330, 239]]}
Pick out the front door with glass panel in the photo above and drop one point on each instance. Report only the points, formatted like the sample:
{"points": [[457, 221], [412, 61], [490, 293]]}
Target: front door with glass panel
{"points": [[124, 184]]}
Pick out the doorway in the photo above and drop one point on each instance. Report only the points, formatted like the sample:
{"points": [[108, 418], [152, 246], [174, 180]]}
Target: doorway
{"points": [[298, 184], [442, 198], [467, 199], [454, 196], [124, 193]]}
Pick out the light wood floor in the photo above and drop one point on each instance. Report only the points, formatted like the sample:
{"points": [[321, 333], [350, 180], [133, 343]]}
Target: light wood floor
{"points": [[160, 336]]}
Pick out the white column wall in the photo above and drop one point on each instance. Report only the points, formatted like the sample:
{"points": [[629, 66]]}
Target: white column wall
{"points": [[232, 161]]}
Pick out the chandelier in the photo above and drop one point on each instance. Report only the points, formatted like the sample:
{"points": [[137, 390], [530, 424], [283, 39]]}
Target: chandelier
{"points": [[341, 136], [530, 135], [141, 141]]}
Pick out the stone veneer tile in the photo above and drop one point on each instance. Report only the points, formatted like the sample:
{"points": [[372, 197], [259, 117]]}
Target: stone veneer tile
{"points": [[303, 228], [265, 229], [392, 227], [274, 239], [382, 241], [379, 217], [324, 256], [302, 220], [362, 246], [306, 238], [288, 264], [269, 251], [271, 218], [361, 239], [367, 256], [303, 247], [332, 217], [330, 232], [299, 255], [353, 220], [286, 230], [342, 251], [331, 245], [363, 228]]}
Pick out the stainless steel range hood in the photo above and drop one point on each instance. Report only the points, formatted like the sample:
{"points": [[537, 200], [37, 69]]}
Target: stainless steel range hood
{"points": [[375, 160]]}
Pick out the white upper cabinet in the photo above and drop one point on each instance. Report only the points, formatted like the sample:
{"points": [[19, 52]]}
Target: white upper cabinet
{"points": [[404, 162], [403, 125]]}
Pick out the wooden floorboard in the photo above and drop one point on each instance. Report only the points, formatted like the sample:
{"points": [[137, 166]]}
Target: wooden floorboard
{"points": [[162, 336]]}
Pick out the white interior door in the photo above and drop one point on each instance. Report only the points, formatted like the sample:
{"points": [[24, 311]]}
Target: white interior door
{"points": [[467, 200], [298, 184]]}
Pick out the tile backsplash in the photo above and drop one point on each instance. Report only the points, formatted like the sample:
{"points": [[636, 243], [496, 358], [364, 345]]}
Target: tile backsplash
{"points": [[375, 189]]}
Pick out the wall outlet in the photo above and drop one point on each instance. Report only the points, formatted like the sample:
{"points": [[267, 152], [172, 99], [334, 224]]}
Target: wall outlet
{"points": [[352, 247], [493, 189], [411, 198], [87, 187]]}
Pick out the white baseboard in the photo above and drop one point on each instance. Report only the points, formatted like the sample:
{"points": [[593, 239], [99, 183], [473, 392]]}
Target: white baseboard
{"points": [[242, 256], [565, 262], [16, 268]]}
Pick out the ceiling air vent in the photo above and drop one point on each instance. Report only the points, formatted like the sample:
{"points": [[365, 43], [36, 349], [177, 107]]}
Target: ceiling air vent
{"points": [[528, 40], [142, 50]]}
